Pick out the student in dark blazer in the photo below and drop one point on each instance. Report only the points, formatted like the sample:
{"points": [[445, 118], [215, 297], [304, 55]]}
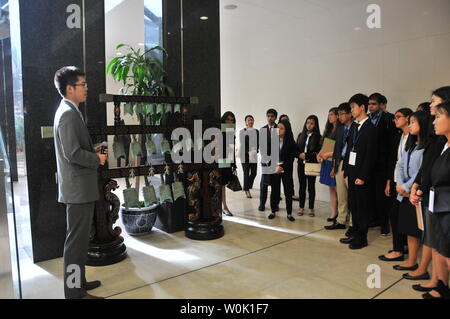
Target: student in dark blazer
{"points": [[271, 116], [77, 162], [385, 128], [284, 171], [308, 143], [358, 166]]}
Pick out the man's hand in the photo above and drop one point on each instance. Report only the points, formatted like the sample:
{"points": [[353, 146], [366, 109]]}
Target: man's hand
{"points": [[279, 170], [387, 189], [359, 182], [302, 156], [319, 158], [98, 148], [102, 158]]}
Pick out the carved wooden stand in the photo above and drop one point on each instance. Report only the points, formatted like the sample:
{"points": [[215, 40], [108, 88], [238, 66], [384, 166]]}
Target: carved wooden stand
{"points": [[106, 245]]}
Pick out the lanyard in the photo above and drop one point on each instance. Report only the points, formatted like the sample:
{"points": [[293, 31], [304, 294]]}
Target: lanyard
{"points": [[409, 160], [356, 137]]}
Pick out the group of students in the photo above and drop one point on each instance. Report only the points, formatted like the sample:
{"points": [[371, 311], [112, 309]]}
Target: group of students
{"points": [[387, 170]]}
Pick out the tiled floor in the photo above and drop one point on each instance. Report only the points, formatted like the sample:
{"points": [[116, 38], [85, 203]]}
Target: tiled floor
{"points": [[257, 258]]}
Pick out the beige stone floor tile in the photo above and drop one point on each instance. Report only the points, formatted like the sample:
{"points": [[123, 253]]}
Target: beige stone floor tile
{"points": [[402, 290]]}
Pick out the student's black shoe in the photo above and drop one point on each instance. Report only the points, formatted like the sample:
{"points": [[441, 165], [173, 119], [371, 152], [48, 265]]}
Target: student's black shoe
{"points": [[261, 208], [271, 216], [290, 218], [349, 232], [421, 289], [384, 258], [398, 267], [346, 240], [335, 226], [425, 276], [357, 244], [442, 289], [331, 220]]}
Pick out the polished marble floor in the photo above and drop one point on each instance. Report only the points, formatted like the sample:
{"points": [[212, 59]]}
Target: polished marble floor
{"points": [[257, 258]]}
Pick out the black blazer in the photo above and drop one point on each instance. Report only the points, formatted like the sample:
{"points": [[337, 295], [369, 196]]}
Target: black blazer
{"points": [[386, 132], [339, 144], [264, 160], [312, 149], [288, 152], [245, 141], [432, 152], [365, 147]]}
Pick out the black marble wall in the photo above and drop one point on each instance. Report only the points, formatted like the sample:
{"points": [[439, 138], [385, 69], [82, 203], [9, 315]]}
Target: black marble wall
{"points": [[7, 105], [48, 44], [193, 47]]}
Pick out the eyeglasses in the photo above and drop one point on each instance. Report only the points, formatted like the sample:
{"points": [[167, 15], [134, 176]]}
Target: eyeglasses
{"points": [[397, 117], [82, 84]]}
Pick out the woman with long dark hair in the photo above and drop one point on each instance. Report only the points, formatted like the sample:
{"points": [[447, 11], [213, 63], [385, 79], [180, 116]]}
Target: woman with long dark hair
{"points": [[249, 155], [226, 173], [283, 173], [308, 143], [406, 170], [327, 162]]}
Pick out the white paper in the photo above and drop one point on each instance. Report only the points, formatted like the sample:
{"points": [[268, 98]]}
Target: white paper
{"points": [[431, 203], [352, 159]]}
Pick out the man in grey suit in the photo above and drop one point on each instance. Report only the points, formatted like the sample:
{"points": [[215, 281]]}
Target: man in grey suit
{"points": [[77, 163]]}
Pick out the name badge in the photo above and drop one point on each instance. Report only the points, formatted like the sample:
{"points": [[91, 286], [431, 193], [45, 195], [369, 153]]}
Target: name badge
{"points": [[431, 202], [352, 159]]}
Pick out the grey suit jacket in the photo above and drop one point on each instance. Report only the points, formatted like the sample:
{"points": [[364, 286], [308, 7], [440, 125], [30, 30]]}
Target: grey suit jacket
{"points": [[76, 160]]}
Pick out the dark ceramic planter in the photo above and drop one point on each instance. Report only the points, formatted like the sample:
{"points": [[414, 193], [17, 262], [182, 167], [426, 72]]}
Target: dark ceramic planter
{"points": [[139, 221]]}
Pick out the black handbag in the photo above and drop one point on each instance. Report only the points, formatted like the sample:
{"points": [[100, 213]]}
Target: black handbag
{"points": [[234, 183]]}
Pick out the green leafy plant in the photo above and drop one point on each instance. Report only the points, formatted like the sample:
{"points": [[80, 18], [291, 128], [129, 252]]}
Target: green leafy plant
{"points": [[142, 73]]}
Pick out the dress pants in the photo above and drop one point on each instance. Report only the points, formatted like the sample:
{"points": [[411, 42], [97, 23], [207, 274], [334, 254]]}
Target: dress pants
{"points": [[380, 208], [76, 246], [399, 241], [263, 186], [249, 171], [359, 203], [288, 184], [305, 181], [342, 195]]}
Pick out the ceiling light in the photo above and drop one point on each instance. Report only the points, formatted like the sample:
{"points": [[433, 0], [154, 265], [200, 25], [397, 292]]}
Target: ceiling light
{"points": [[231, 6], [204, 18]]}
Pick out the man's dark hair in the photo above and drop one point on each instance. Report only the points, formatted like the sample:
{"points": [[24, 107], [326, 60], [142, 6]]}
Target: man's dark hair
{"points": [[272, 111], [345, 107], [65, 76], [380, 98], [360, 99]]}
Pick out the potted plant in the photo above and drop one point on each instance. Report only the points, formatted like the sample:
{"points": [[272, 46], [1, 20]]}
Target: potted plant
{"points": [[141, 73]]}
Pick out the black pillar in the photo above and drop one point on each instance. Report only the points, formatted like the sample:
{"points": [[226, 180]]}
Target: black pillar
{"points": [[52, 38]]}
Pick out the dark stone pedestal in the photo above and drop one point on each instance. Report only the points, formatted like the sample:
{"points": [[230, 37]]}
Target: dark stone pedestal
{"points": [[171, 216], [106, 254], [205, 229]]}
